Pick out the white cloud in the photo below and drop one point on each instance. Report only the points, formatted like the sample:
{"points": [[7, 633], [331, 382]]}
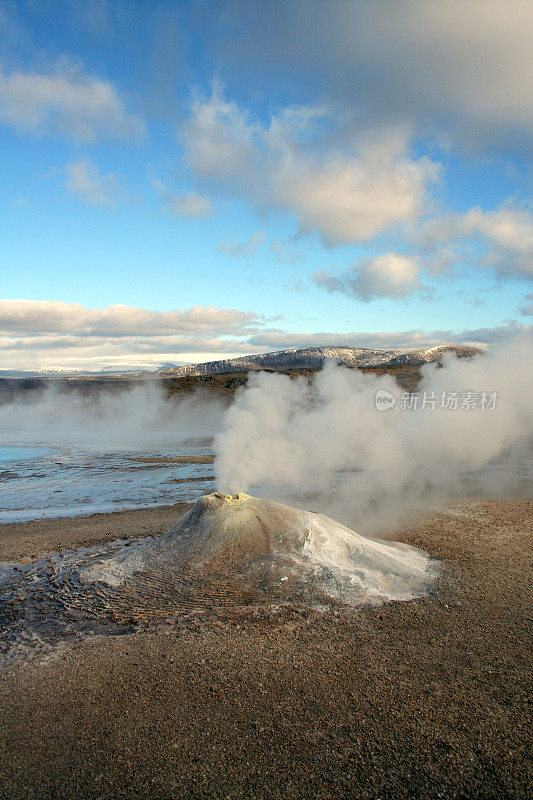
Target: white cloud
{"points": [[345, 194], [387, 275], [79, 107], [352, 198], [219, 140], [243, 249], [510, 231], [501, 240], [40, 316], [85, 180], [189, 205]]}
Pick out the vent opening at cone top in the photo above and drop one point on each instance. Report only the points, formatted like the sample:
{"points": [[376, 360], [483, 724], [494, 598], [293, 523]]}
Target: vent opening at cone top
{"points": [[269, 550]]}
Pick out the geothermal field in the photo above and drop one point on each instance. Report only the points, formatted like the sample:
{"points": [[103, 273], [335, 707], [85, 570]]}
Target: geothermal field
{"points": [[283, 591], [266, 399]]}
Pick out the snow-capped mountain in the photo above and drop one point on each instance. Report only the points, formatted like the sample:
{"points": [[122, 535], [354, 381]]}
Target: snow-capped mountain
{"points": [[315, 357]]}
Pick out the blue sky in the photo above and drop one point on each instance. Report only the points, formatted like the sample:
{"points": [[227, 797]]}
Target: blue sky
{"points": [[186, 181]]}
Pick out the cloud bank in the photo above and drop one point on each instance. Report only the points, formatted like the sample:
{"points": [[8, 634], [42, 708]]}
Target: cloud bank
{"points": [[499, 240], [118, 320], [43, 335], [453, 69]]}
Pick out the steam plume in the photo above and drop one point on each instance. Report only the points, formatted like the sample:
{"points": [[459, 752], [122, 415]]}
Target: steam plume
{"points": [[326, 438], [142, 416]]}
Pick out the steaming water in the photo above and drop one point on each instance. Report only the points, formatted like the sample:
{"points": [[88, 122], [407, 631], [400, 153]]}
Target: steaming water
{"points": [[40, 481], [10, 455], [71, 454]]}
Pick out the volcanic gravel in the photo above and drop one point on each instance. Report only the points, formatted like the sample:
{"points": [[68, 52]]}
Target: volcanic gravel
{"points": [[426, 699]]}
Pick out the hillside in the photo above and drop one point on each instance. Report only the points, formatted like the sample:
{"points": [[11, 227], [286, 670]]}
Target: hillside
{"points": [[227, 375], [313, 358]]}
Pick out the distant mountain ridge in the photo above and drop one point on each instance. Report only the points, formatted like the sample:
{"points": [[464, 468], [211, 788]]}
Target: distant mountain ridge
{"points": [[315, 357]]}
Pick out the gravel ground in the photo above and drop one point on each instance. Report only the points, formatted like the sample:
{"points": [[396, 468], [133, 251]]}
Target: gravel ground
{"points": [[427, 699], [27, 541]]}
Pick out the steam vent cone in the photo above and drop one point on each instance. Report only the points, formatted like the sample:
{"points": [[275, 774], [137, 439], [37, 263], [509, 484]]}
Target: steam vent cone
{"points": [[237, 549], [229, 552]]}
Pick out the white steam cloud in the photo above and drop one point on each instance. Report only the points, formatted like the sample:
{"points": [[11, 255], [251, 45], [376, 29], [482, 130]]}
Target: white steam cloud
{"points": [[130, 418], [325, 439]]}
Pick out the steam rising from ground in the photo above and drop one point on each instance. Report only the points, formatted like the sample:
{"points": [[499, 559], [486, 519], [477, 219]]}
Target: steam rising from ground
{"points": [[138, 417], [362, 466], [320, 445]]}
